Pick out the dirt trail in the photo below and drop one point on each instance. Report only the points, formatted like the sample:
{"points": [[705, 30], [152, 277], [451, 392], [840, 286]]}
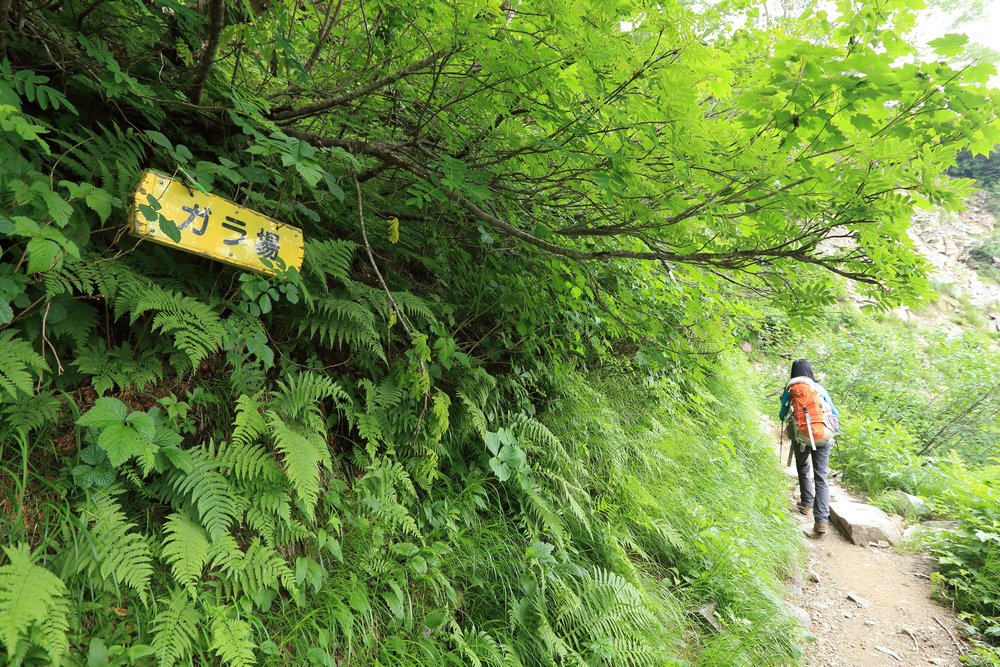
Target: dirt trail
{"points": [[891, 621]]}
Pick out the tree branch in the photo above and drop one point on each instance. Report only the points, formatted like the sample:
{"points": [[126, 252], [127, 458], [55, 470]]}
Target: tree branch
{"points": [[344, 98], [216, 21], [733, 259], [5, 6]]}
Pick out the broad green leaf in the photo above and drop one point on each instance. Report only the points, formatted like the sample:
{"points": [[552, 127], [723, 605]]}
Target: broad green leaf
{"points": [[105, 411], [100, 202], [950, 45], [168, 227]]}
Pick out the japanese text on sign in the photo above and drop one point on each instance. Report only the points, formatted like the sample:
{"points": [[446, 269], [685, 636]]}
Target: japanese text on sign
{"points": [[212, 226]]}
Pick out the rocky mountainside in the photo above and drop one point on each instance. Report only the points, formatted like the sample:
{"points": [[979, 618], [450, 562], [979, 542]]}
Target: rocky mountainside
{"points": [[947, 239]]}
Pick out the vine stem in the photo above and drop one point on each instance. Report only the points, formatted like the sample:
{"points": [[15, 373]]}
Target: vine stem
{"points": [[400, 315], [371, 260]]}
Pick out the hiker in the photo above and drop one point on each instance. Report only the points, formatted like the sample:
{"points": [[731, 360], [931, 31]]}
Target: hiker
{"points": [[811, 427]]}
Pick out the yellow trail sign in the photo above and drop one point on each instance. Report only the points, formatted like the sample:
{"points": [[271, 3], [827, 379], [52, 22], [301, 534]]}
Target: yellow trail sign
{"points": [[212, 226]]}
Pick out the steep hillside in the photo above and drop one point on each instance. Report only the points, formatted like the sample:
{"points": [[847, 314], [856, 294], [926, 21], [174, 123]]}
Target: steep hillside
{"points": [[959, 246]]}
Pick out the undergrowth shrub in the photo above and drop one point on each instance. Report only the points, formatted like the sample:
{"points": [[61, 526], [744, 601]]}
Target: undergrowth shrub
{"points": [[592, 533]]}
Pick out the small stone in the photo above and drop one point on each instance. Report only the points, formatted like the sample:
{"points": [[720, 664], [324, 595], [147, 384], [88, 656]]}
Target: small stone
{"points": [[883, 544], [871, 621], [937, 661], [908, 504], [813, 577], [860, 601], [795, 591], [707, 612], [848, 614], [800, 614], [889, 651]]}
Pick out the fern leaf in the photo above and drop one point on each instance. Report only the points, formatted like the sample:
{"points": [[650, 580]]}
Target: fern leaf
{"points": [[111, 156], [121, 555], [304, 454], [244, 457], [120, 367], [18, 364], [331, 258], [29, 413], [32, 597], [301, 393], [196, 328], [186, 548], [213, 498], [175, 629], [232, 641], [339, 322], [257, 569]]}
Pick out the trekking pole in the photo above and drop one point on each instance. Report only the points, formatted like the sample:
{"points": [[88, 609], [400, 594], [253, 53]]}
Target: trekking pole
{"points": [[781, 441], [791, 447]]}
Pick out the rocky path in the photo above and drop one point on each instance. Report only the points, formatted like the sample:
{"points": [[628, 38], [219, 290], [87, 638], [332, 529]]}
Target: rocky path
{"points": [[869, 605]]}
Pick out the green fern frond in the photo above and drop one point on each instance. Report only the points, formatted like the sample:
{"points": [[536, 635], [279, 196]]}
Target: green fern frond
{"points": [[300, 393], [76, 322], [380, 490], [378, 301], [476, 416], [250, 424], [32, 602], [29, 413], [477, 391], [196, 327], [111, 157], [121, 556], [72, 276], [196, 478], [122, 286], [175, 630], [331, 258], [255, 570], [339, 322], [232, 641], [243, 455], [248, 461], [540, 509], [18, 365], [186, 548], [120, 367], [304, 453], [265, 509], [51, 633]]}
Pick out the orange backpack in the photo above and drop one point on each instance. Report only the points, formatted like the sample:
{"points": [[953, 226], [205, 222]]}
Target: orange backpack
{"points": [[808, 414]]}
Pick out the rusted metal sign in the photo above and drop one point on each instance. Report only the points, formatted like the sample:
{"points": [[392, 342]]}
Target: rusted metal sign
{"points": [[168, 211]]}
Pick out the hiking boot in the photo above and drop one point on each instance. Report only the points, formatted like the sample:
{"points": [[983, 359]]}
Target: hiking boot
{"points": [[821, 528], [805, 511]]}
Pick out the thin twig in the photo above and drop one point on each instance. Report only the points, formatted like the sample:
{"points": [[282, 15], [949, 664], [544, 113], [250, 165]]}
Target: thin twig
{"points": [[945, 628], [46, 341]]}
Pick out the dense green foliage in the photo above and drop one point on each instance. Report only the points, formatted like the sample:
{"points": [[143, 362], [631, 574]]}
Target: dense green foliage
{"points": [[985, 170], [921, 414], [420, 448]]}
